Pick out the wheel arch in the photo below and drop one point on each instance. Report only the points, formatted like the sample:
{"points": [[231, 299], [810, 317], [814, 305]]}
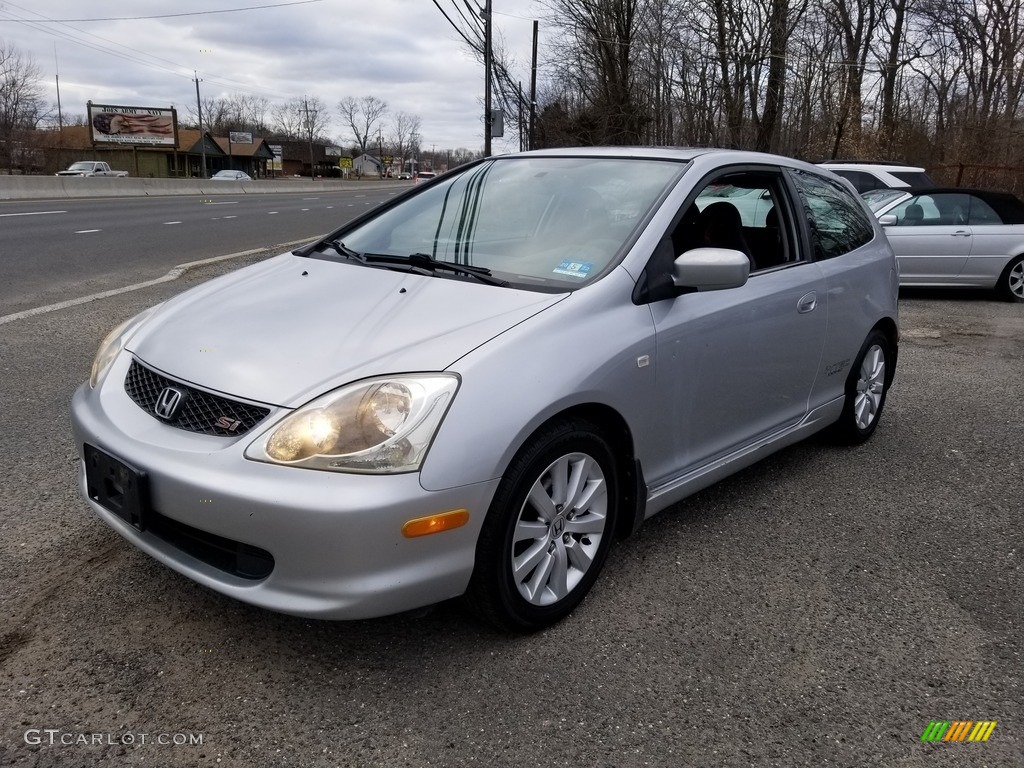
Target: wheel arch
{"points": [[888, 328], [614, 428], [1002, 282]]}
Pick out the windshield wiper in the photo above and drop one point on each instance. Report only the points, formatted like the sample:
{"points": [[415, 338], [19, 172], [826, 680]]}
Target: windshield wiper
{"points": [[344, 250], [420, 262], [425, 261]]}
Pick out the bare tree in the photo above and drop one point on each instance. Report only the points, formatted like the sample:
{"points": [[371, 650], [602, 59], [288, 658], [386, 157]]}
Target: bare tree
{"points": [[362, 116], [404, 134], [597, 48], [21, 107], [305, 118]]}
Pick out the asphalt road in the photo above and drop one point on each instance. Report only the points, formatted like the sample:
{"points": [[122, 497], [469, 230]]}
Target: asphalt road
{"points": [[818, 609], [51, 248]]}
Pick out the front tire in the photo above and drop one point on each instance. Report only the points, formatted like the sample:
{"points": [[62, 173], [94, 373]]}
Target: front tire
{"points": [[549, 528], [866, 388], [1011, 283]]}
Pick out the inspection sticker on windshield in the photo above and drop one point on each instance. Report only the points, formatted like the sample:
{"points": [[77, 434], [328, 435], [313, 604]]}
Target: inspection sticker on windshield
{"points": [[579, 269]]}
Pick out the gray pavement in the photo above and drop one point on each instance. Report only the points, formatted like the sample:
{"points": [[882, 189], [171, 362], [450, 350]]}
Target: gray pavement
{"points": [[818, 609]]}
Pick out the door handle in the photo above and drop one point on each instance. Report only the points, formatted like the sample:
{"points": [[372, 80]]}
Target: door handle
{"points": [[807, 303], [960, 233]]}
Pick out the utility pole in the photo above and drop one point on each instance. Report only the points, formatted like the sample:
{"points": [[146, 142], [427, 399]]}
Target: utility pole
{"points": [[488, 19], [522, 125], [533, 88], [202, 134], [309, 129], [56, 66]]}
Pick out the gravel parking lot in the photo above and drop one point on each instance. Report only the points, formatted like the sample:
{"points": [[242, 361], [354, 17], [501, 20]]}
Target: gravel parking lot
{"points": [[818, 609]]}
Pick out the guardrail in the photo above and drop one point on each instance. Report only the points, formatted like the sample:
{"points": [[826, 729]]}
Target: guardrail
{"points": [[51, 187]]}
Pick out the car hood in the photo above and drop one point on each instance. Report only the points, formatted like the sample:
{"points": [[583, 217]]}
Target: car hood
{"points": [[291, 328]]}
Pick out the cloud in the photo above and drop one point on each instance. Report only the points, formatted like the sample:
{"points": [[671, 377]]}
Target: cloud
{"points": [[402, 51]]}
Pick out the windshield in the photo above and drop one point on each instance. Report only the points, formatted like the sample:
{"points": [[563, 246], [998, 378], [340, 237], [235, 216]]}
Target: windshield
{"points": [[879, 198], [547, 223], [80, 167]]}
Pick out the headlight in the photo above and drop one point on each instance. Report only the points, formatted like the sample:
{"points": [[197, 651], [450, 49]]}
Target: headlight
{"points": [[379, 426], [114, 343]]}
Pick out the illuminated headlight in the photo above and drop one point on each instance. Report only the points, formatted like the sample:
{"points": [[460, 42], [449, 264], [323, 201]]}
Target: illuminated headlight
{"points": [[380, 426], [114, 343]]}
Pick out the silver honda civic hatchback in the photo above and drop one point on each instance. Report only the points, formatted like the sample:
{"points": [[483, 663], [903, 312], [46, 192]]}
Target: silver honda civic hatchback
{"points": [[476, 388]]}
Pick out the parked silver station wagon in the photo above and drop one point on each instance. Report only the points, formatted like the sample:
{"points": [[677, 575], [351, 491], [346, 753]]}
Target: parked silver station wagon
{"points": [[475, 388]]}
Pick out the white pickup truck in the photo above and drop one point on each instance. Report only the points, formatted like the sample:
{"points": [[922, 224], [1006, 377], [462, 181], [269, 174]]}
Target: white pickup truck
{"points": [[90, 168]]}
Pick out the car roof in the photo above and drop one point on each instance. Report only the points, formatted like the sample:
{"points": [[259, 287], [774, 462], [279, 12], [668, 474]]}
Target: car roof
{"points": [[874, 164], [685, 154]]}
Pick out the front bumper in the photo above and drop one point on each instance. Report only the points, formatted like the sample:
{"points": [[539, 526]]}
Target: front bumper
{"points": [[335, 539]]}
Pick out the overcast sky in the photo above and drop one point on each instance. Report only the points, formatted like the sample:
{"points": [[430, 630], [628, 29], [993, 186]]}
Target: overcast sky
{"points": [[402, 51]]}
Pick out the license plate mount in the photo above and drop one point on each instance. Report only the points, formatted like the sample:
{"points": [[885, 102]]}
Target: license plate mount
{"points": [[117, 486]]}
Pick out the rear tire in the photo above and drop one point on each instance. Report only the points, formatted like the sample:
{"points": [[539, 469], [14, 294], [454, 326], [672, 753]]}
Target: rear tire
{"points": [[866, 388], [1011, 283], [549, 528]]}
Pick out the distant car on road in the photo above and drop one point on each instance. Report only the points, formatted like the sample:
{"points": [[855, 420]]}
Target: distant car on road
{"points": [[231, 176], [91, 168], [426, 175], [868, 176], [476, 389], [955, 237], [405, 175]]}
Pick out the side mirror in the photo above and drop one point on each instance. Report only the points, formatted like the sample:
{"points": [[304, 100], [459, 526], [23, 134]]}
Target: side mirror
{"points": [[710, 269], [887, 220]]}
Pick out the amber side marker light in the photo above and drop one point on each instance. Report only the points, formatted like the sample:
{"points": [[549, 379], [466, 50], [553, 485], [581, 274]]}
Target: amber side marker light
{"points": [[443, 521]]}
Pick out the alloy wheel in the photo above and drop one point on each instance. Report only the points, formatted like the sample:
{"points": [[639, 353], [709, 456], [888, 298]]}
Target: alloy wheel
{"points": [[559, 529], [870, 387]]}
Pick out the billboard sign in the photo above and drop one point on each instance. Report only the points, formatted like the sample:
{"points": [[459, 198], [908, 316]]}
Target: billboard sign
{"points": [[239, 137], [149, 126]]}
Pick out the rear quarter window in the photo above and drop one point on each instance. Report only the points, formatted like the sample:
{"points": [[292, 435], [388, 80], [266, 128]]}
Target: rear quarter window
{"points": [[838, 222]]}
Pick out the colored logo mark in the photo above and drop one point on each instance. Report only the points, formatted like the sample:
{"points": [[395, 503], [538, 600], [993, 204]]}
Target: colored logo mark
{"points": [[958, 730]]}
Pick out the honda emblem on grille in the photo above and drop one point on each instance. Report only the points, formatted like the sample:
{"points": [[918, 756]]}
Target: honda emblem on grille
{"points": [[168, 403]]}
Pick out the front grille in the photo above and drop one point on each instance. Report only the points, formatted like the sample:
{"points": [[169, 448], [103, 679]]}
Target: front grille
{"points": [[198, 411]]}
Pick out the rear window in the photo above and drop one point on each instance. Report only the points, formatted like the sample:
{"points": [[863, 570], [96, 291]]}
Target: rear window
{"points": [[914, 178]]}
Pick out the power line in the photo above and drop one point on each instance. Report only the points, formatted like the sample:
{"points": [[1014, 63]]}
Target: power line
{"points": [[179, 15], [456, 27]]}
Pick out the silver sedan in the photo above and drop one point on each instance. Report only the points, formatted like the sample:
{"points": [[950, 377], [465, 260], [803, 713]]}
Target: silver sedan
{"points": [[476, 388], [955, 237]]}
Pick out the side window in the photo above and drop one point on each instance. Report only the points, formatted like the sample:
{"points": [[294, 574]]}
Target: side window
{"points": [[837, 220], [862, 182], [952, 207], [742, 212], [915, 212], [982, 212]]}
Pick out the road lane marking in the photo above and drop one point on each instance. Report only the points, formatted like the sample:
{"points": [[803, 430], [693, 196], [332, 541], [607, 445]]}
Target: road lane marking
{"points": [[86, 231], [174, 274], [225, 202], [31, 213], [229, 217], [304, 209], [172, 222], [271, 213]]}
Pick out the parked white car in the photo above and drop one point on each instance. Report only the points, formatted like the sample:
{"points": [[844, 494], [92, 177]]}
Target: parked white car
{"points": [[868, 176]]}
